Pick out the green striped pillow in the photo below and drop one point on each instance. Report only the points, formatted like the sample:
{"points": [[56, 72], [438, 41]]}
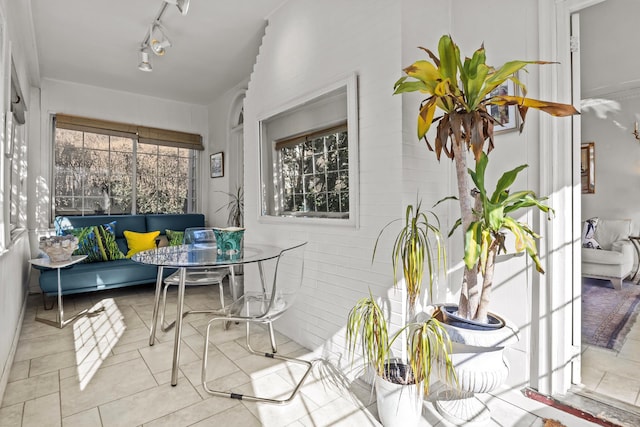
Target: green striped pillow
{"points": [[98, 242]]}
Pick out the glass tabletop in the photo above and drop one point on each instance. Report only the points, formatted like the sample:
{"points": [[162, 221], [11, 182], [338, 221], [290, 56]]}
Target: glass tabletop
{"points": [[195, 255]]}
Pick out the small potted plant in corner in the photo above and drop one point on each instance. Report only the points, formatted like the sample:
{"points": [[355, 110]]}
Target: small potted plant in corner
{"points": [[235, 221], [400, 384], [462, 91]]}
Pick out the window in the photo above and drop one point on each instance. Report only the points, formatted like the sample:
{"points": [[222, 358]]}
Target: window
{"points": [[103, 171], [309, 158], [315, 173]]}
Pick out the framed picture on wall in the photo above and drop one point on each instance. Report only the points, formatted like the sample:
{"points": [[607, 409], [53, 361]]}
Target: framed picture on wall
{"points": [[588, 168], [216, 164], [507, 115]]}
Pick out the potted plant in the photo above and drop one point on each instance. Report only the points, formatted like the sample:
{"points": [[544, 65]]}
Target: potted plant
{"points": [[235, 206], [462, 91], [400, 385]]}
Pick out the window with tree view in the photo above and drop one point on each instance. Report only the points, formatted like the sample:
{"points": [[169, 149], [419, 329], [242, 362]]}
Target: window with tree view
{"points": [[315, 173], [114, 173]]}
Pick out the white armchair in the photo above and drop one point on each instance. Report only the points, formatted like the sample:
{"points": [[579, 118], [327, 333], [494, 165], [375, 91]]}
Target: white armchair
{"points": [[615, 258]]}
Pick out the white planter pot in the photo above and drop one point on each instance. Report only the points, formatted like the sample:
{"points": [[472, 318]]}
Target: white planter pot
{"points": [[399, 405], [478, 357]]}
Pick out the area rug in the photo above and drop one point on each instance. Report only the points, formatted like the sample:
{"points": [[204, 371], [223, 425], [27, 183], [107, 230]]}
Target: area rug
{"points": [[608, 314]]}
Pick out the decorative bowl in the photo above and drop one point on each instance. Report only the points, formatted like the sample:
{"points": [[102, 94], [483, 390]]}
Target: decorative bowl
{"points": [[59, 248]]}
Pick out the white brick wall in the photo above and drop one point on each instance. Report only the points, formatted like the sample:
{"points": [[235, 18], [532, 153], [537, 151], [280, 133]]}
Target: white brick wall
{"points": [[309, 45]]}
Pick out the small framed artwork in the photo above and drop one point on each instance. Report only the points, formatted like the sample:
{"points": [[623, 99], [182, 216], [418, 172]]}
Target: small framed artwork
{"points": [[506, 115], [216, 164], [588, 167]]}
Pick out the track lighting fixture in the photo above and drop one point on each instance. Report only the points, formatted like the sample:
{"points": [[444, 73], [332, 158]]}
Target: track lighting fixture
{"points": [[144, 64], [156, 40]]}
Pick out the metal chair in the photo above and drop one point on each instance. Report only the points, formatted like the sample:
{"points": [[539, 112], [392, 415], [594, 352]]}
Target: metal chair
{"points": [[204, 237], [263, 307]]}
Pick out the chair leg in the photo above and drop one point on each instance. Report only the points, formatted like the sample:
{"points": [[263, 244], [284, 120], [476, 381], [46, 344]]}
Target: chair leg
{"points": [[163, 328], [250, 398], [44, 302], [221, 293]]}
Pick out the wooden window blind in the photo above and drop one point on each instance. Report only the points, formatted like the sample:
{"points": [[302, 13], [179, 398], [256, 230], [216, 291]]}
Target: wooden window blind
{"points": [[144, 134]]}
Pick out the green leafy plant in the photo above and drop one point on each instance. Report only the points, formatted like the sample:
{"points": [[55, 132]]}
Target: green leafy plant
{"points": [[419, 240], [427, 343], [461, 90], [235, 206], [485, 237]]}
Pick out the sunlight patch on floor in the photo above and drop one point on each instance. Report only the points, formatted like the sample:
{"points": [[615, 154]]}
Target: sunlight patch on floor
{"points": [[94, 337]]}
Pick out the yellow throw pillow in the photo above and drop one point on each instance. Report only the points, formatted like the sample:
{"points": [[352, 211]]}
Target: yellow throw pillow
{"points": [[138, 242]]}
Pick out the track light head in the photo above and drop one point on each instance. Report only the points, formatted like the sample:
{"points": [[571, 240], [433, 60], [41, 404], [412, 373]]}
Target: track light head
{"points": [[158, 41], [144, 64]]}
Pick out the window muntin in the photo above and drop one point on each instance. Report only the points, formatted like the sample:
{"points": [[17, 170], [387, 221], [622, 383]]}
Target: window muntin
{"points": [[98, 173], [315, 174]]}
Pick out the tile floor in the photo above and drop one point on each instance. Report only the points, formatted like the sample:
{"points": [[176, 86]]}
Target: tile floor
{"points": [[100, 371], [614, 374]]}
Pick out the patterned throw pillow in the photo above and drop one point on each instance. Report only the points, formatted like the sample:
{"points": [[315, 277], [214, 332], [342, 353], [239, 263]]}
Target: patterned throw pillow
{"points": [[588, 231], [138, 242], [175, 237], [98, 242]]}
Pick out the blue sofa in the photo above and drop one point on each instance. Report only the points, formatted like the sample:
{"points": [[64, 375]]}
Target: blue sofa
{"points": [[113, 274]]}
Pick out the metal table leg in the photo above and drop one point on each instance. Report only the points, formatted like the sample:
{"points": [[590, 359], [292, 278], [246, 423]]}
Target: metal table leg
{"points": [[178, 337], [61, 322]]}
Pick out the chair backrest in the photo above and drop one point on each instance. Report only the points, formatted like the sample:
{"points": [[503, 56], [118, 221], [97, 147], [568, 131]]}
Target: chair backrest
{"points": [[199, 236], [287, 280]]}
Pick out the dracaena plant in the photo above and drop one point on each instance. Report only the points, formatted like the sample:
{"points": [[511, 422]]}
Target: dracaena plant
{"points": [[428, 344], [461, 90], [419, 241]]}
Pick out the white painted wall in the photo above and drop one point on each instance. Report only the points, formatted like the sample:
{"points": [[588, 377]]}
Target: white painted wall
{"points": [[14, 268], [611, 105], [220, 139], [308, 46]]}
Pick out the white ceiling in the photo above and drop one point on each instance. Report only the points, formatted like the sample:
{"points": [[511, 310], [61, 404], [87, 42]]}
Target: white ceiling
{"points": [[97, 43]]}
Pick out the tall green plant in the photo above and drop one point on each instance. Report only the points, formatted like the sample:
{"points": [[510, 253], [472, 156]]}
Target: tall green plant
{"points": [[427, 343], [461, 89], [419, 240], [235, 207]]}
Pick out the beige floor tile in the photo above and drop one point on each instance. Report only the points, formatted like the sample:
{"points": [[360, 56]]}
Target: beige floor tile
{"points": [[194, 413], [111, 359], [132, 346], [630, 350], [622, 388], [238, 416], [159, 357], [19, 370], [219, 366], [34, 416], [148, 405], [227, 382], [52, 362], [196, 343], [340, 412], [30, 388], [108, 384], [11, 416], [88, 418], [42, 346], [273, 386]]}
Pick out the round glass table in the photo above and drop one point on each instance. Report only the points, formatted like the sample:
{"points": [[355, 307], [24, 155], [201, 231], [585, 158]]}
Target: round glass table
{"points": [[197, 256]]}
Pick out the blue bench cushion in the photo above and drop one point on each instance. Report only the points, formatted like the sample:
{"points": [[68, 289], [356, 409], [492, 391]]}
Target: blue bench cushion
{"points": [[112, 274], [178, 222]]}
